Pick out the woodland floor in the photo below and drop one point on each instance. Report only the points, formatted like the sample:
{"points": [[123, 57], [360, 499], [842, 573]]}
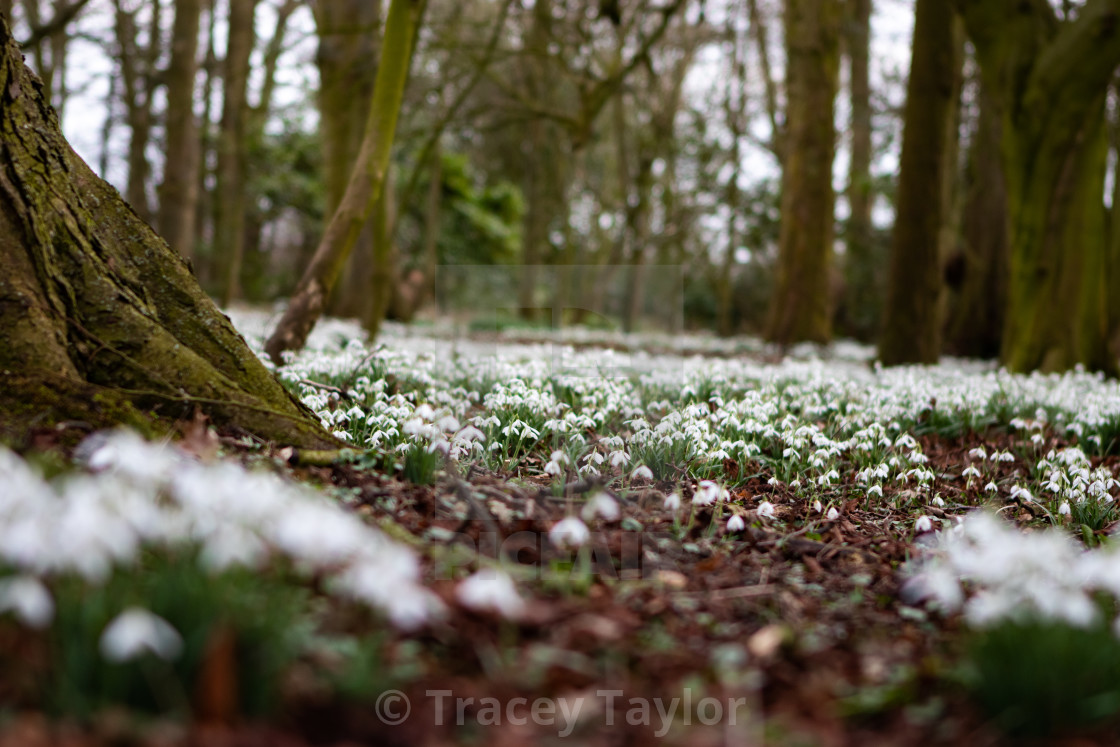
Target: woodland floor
{"points": [[833, 655]]}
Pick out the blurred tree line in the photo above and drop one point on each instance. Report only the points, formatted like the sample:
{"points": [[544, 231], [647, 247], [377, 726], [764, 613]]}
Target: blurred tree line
{"points": [[961, 201]]}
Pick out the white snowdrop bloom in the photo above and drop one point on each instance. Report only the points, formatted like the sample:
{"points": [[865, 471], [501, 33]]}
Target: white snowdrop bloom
{"points": [[491, 590], [706, 493], [27, 599], [448, 423], [1063, 509], [413, 427], [470, 434], [642, 472], [766, 510], [553, 468], [923, 524], [135, 632], [559, 457], [832, 514], [595, 458], [938, 501], [1021, 493], [425, 412], [875, 490], [991, 487], [619, 459], [673, 501], [970, 471], [569, 534], [773, 481], [1007, 457], [736, 524], [123, 451], [602, 506], [817, 506]]}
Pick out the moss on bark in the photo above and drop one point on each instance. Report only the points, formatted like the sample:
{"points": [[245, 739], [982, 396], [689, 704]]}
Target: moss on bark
{"points": [[94, 301]]}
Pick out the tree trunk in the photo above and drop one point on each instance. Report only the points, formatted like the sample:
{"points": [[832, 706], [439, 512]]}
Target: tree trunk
{"points": [[979, 273], [800, 307], [379, 281], [229, 217], [205, 264], [364, 189], [862, 301], [100, 321], [138, 76], [178, 194], [349, 40], [1049, 78], [911, 330]]}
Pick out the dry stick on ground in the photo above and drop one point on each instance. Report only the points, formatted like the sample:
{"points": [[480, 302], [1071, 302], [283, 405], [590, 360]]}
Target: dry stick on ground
{"points": [[364, 188]]}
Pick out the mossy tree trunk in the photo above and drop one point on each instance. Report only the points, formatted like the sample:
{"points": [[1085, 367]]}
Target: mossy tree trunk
{"points": [[800, 308], [349, 34], [367, 181], [100, 320], [1049, 77], [911, 329]]}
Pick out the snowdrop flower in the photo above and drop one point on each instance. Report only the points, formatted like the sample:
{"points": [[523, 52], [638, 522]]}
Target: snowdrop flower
{"points": [[938, 501], [766, 510], [1063, 509], [569, 534], [832, 514], [425, 411], [28, 599], [923, 524], [491, 591], [1021, 493], [774, 481], [707, 493], [970, 471], [736, 524], [554, 469], [470, 434], [413, 427], [137, 631], [991, 487], [602, 506], [642, 473], [619, 459], [448, 423], [817, 506], [875, 490], [673, 501]]}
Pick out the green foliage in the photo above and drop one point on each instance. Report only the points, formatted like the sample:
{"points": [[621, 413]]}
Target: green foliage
{"points": [[480, 223], [265, 611], [1038, 679]]}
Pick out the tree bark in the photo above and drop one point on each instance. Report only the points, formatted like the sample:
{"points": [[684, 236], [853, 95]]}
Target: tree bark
{"points": [[800, 307], [1049, 77], [911, 330], [349, 40], [364, 189], [862, 301], [229, 212], [178, 194], [138, 76], [975, 324], [100, 320]]}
